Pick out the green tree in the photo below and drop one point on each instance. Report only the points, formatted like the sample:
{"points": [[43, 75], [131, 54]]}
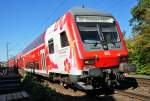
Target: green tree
{"points": [[139, 46]]}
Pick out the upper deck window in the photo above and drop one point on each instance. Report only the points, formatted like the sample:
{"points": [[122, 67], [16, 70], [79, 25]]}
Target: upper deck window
{"points": [[51, 46], [63, 39]]}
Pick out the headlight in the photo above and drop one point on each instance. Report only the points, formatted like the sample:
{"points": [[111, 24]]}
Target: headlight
{"points": [[89, 61]]}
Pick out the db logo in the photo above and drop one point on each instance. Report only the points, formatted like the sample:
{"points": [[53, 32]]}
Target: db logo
{"points": [[107, 53]]}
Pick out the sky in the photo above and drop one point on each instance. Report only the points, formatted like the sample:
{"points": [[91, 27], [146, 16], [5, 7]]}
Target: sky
{"points": [[21, 21]]}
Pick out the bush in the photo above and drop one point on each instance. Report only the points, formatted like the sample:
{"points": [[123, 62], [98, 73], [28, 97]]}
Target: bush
{"points": [[36, 90], [136, 57]]}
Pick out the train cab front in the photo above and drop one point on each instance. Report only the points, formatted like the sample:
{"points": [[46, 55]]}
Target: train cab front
{"points": [[104, 54]]}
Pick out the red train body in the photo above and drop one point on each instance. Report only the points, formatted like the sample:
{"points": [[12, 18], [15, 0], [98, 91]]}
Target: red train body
{"points": [[83, 48]]}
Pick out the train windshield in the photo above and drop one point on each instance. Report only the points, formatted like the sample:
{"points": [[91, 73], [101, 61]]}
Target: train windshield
{"points": [[89, 33], [110, 33], [95, 31]]}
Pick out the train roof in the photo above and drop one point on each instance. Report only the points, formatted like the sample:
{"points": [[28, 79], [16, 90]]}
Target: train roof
{"points": [[38, 41], [87, 11], [75, 11]]}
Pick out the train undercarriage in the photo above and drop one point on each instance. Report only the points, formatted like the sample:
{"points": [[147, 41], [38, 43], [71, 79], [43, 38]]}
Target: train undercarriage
{"points": [[94, 79]]}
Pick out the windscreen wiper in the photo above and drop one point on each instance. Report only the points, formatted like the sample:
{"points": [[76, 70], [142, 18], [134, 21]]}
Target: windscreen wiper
{"points": [[96, 43]]}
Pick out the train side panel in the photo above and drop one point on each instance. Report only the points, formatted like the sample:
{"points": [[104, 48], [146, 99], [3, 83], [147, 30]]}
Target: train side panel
{"points": [[61, 59]]}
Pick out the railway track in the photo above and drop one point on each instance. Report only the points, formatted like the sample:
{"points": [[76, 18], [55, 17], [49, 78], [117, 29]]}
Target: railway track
{"points": [[142, 92], [71, 92], [133, 95], [143, 81]]}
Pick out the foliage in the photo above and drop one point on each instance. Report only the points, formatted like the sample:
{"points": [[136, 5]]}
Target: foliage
{"points": [[139, 45], [37, 91]]}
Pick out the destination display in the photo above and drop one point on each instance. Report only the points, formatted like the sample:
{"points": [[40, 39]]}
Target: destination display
{"points": [[94, 19]]}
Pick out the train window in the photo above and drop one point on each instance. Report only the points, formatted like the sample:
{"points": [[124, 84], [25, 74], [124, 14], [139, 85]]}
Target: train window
{"points": [[36, 65], [27, 65], [51, 46], [110, 33], [31, 65], [63, 39]]}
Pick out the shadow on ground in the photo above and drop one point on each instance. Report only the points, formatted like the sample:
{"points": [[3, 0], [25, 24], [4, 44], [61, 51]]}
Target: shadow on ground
{"points": [[61, 97], [128, 82], [44, 93]]}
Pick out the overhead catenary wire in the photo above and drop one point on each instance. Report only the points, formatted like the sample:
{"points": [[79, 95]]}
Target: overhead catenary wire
{"points": [[48, 18], [114, 5], [50, 15], [55, 10]]}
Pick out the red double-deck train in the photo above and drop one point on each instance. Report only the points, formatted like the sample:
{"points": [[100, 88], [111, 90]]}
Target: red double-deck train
{"points": [[84, 48]]}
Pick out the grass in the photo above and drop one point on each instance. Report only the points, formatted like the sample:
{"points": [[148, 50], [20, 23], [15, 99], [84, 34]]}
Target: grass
{"points": [[36, 90]]}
